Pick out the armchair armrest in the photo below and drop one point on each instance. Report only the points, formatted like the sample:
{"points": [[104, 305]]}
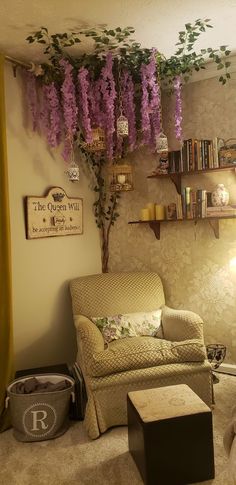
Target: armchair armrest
{"points": [[89, 339], [181, 325]]}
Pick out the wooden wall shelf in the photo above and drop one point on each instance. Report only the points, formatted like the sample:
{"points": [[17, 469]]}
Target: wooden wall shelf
{"points": [[176, 177], [213, 221]]}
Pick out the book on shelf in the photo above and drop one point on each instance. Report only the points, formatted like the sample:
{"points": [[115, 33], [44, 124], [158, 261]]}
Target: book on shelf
{"points": [[194, 203], [183, 198], [187, 202], [171, 211], [196, 154], [179, 207]]}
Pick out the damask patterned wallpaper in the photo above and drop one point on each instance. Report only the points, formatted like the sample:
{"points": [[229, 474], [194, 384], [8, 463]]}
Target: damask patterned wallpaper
{"points": [[193, 265]]}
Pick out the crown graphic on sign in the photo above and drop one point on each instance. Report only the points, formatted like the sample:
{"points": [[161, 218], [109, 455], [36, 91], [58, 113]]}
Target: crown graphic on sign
{"points": [[58, 196]]}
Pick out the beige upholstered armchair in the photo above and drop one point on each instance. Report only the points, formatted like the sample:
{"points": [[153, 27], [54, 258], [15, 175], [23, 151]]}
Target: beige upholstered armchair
{"points": [[112, 370]]}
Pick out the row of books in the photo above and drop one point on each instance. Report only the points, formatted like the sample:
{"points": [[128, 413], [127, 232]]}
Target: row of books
{"points": [[194, 204], [196, 155]]}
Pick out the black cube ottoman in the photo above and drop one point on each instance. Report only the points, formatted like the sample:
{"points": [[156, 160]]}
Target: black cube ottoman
{"points": [[170, 435]]}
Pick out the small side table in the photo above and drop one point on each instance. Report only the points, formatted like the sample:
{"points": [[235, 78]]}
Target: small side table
{"points": [[170, 435]]}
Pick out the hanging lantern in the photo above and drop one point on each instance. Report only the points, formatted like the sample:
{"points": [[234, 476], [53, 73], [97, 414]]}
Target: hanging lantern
{"points": [[120, 177], [122, 126], [161, 143], [73, 172], [98, 141]]}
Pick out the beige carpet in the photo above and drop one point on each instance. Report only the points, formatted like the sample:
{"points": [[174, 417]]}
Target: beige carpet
{"points": [[75, 459]]}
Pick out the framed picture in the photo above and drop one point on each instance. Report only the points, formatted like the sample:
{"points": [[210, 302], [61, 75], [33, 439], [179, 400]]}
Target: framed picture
{"points": [[171, 211]]}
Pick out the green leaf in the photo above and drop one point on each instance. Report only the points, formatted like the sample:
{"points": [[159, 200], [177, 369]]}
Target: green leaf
{"points": [[227, 64]]}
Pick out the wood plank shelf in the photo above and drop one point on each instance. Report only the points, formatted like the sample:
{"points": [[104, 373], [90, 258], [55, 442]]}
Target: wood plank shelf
{"points": [[176, 177], [213, 221]]}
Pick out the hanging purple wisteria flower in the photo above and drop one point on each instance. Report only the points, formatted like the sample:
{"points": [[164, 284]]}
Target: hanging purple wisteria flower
{"points": [[108, 91], [127, 89], [151, 102], [54, 124], [84, 96], [44, 111], [178, 108], [31, 93], [70, 110]]}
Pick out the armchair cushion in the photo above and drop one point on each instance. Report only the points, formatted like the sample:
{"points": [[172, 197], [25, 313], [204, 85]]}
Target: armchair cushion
{"points": [[129, 325], [181, 324], [143, 352]]}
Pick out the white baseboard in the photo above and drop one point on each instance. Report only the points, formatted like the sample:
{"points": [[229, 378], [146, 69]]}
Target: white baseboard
{"points": [[227, 369]]}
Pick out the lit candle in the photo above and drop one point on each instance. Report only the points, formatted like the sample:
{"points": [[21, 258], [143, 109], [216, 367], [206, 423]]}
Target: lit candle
{"points": [[144, 215], [121, 178], [151, 208], [160, 212]]}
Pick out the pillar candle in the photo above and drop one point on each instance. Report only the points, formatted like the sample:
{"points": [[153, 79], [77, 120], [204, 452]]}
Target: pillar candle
{"points": [[151, 208], [144, 215], [121, 178], [160, 212]]}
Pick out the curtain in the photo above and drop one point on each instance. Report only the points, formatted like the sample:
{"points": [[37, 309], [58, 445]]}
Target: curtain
{"points": [[6, 336]]}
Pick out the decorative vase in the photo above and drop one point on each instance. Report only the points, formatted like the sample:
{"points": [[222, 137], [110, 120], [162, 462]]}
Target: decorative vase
{"points": [[220, 196]]}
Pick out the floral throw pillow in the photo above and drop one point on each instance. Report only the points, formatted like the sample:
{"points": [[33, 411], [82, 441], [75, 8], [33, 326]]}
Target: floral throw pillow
{"points": [[129, 325]]}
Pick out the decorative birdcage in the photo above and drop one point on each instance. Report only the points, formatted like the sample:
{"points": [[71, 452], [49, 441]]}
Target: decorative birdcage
{"points": [[161, 143], [120, 177], [73, 172], [122, 126], [98, 143]]}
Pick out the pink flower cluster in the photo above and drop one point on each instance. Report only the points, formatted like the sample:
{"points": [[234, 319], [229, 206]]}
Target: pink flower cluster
{"points": [[178, 108], [70, 110], [127, 89], [31, 93], [151, 102], [54, 123], [89, 103], [108, 91], [84, 86], [44, 111]]}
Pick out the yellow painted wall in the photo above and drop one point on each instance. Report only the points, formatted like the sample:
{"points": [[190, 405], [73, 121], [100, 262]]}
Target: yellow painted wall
{"points": [[43, 326]]}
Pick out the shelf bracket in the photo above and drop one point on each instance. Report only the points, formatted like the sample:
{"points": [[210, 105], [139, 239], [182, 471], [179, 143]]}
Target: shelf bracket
{"points": [[216, 228], [156, 228], [176, 179]]}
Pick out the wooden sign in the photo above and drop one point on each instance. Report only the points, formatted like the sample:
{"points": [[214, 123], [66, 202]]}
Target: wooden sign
{"points": [[54, 215]]}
